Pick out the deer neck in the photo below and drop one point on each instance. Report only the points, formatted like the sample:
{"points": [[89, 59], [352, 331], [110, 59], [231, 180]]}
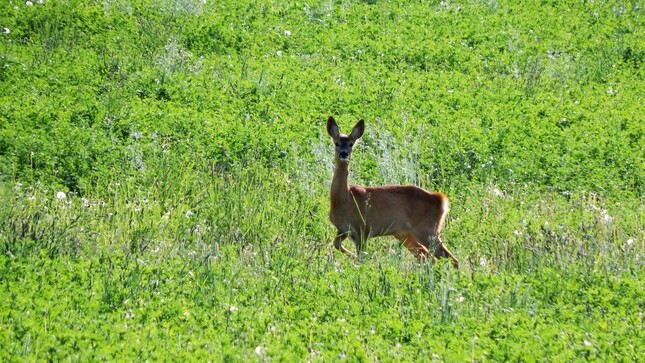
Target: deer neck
{"points": [[339, 184]]}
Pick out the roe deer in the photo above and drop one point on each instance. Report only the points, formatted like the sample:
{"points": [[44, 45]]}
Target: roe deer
{"points": [[412, 215]]}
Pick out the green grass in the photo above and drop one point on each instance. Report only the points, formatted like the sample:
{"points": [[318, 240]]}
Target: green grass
{"points": [[164, 175]]}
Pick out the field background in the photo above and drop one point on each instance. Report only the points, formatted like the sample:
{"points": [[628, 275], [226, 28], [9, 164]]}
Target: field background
{"points": [[164, 175]]}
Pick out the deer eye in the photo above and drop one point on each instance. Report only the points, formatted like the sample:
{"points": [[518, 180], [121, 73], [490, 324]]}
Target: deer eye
{"points": [[336, 144], [351, 144]]}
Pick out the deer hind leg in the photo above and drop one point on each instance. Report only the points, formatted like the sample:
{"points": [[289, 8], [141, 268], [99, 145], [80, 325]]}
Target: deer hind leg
{"points": [[417, 249], [338, 244], [440, 248], [434, 243], [442, 251]]}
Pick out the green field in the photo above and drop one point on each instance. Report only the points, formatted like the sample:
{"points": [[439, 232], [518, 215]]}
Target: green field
{"points": [[165, 174]]}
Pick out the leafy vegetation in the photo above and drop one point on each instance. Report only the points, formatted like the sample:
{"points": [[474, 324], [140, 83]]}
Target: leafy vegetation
{"points": [[164, 174]]}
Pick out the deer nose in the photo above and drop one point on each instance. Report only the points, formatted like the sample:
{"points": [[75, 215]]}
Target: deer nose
{"points": [[344, 155]]}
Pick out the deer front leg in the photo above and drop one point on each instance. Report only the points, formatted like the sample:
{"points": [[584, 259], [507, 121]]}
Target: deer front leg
{"points": [[358, 237], [338, 244]]}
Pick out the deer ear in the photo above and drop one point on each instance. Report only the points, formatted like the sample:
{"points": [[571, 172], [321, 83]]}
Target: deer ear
{"points": [[358, 130], [332, 127]]}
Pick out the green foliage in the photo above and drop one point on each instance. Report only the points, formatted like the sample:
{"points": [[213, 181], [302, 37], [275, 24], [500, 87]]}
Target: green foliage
{"points": [[481, 80], [164, 172]]}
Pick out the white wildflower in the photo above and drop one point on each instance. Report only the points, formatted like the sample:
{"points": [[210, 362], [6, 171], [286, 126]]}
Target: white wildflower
{"points": [[189, 213], [259, 350], [61, 195], [287, 33], [279, 53], [6, 30]]}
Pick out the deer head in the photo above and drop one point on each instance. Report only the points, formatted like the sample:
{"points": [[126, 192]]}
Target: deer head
{"points": [[344, 143]]}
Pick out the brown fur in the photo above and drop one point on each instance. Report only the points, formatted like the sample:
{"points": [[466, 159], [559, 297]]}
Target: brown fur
{"points": [[412, 215]]}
